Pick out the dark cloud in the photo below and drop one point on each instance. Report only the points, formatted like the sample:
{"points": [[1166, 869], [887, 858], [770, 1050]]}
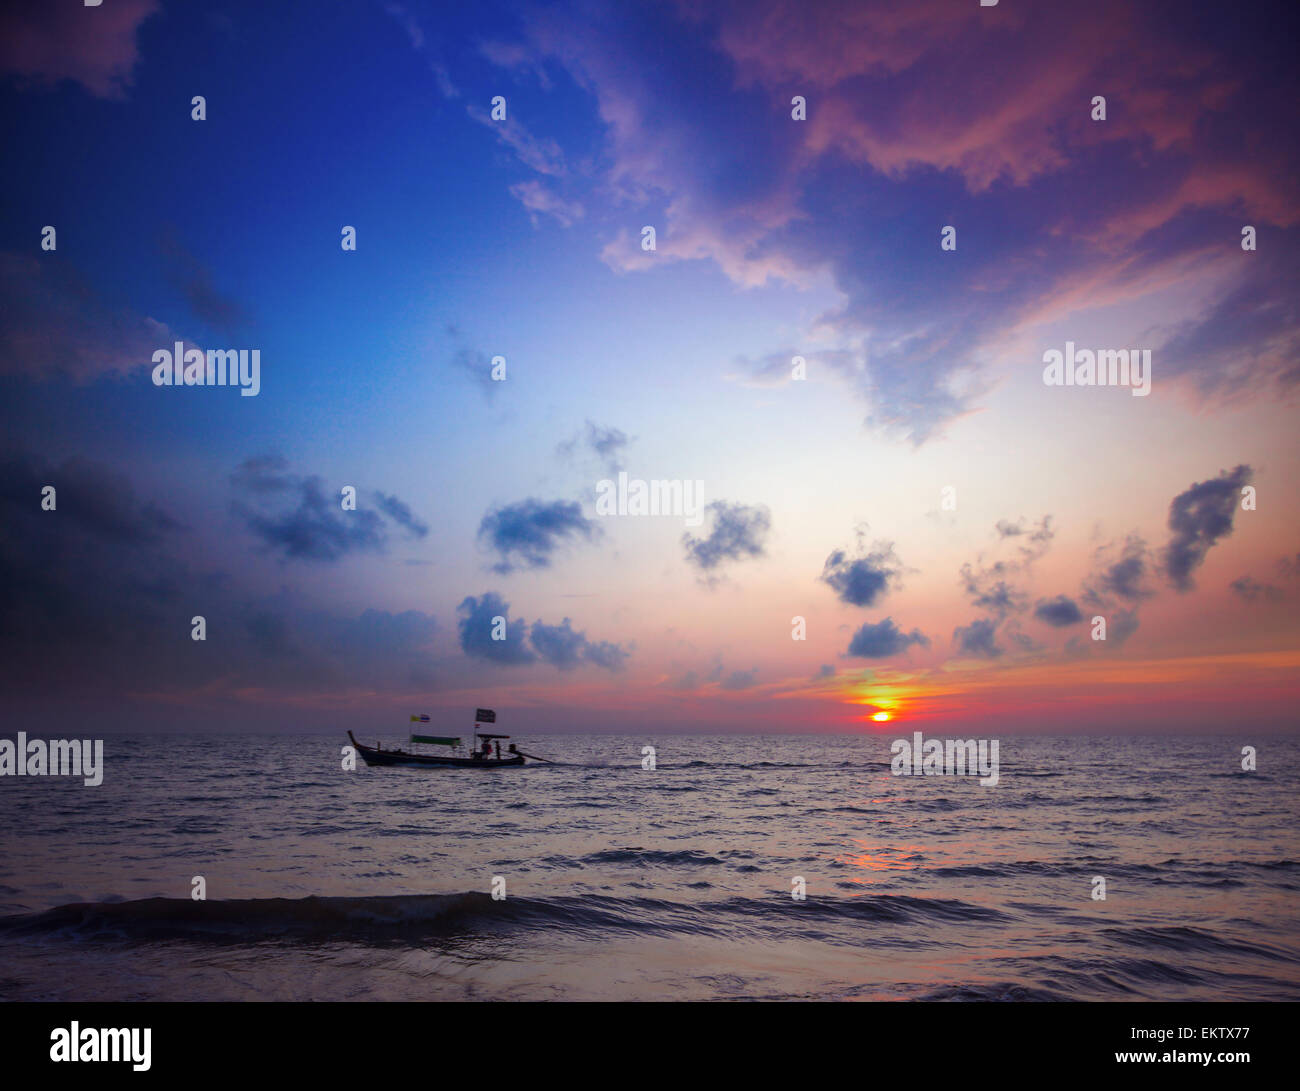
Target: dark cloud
{"points": [[527, 533], [1121, 625], [1060, 612], [979, 639], [558, 645], [1252, 590], [96, 599], [997, 597], [738, 531], [401, 514], [43, 44], [315, 528], [296, 517], [1022, 640], [688, 681], [264, 474], [863, 580], [605, 653], [1123, 578], [476, 625], [991, 588], [98, 500], [1198, 518], [562, 646], [193, 279], [96, 569], [741, 679], [55, 325], [883, 639]]}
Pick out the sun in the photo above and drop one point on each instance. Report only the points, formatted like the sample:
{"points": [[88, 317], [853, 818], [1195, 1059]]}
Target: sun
{"points": [[880, 717]]}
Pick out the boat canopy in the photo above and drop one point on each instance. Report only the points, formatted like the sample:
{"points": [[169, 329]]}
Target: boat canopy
{"points": [[481, 735], [436, 740]]}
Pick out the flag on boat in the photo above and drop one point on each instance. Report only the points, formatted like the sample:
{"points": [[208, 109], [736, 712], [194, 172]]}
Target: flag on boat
{"points": [[436, 740], [485, 716], [419, 719]]}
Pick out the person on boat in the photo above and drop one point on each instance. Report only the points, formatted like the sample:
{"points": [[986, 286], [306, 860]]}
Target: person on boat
{"points": [[498, 746]]}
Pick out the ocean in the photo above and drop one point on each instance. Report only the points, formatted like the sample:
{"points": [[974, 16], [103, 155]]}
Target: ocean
{"points": [[673, 883]]}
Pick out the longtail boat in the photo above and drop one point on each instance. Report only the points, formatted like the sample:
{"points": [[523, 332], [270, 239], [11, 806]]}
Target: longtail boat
{"points": [[476, 759]]}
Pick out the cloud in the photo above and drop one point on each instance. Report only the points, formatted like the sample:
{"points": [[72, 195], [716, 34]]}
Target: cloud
{"points": [[537, 197], [738, 531], [1123, 624], [44, 43], [189, 276], [478, 367], [526, 534], [990, 586], [997, 597], [540, 154], [1246, 341], [1252, 590], [88, 496], [863, 580], [1198, 518], [401, 514], [96, 598], [296, 517], [416, 36], [978, 639], [564, 648], [607, 444], [560, 645], [54, 325], [1197, 143], [1060, 612], [738, 680], [477, 624], [883, 639], [606, 654], [1124, 578]]}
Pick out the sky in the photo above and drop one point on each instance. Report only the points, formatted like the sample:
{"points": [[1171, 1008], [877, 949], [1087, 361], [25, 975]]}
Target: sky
{"points": [[873, 223]]}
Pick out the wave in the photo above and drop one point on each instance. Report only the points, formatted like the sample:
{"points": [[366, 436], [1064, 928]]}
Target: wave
{"points": [[402, 918]]}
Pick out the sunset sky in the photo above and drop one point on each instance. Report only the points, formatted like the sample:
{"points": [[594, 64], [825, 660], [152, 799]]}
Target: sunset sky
{"points": [[775, 238]]}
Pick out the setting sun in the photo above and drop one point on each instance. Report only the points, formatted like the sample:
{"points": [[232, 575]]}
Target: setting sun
{"points": [[881, 717]]}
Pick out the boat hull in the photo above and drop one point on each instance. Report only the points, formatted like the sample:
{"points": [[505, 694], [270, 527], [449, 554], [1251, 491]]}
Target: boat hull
{"points": [[372, 755]]}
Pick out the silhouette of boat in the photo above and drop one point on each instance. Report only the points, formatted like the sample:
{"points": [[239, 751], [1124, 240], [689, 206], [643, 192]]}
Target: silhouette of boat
{"points": [[476, 759]]}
